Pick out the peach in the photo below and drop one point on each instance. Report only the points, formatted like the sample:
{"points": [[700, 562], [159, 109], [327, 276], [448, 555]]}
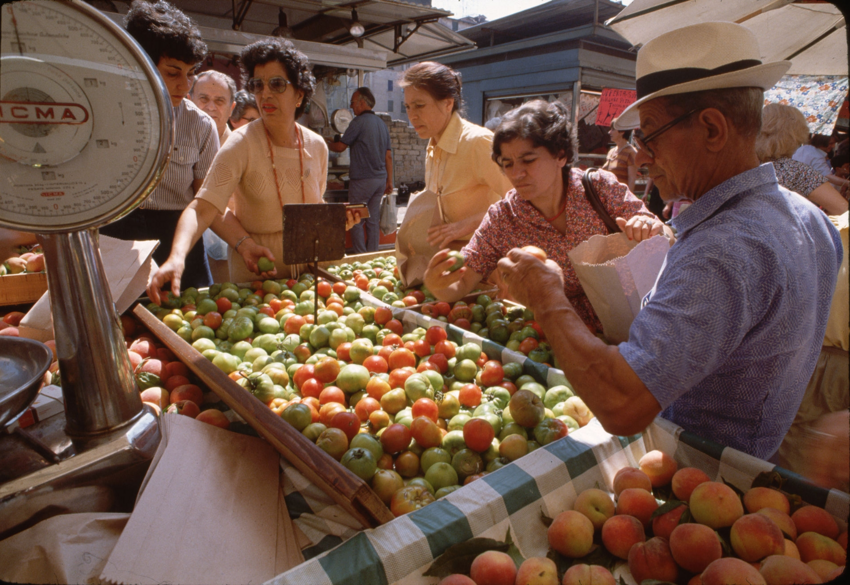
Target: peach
{"points": [[571, 534], [659, 466], [815, 519], [685, 480], [664, 524], [157, 395], [537, 571], [457, 579], [596, 504], [620, 532], [638, 503], [175, 381], [493, 567], [782, 520], [755, 536], [731, 571], [783, 570], [630, 477], [761, 497], [188, 392], [184, 407], [214, 417], [35, 263], [652, 560], [588, 575], [135, 359], [144, 348], [839, 572], [817, 546], [842, 540], [694, 546], [715, 504], [823, 568], [175, 368], [791, 549], [155, 367]]}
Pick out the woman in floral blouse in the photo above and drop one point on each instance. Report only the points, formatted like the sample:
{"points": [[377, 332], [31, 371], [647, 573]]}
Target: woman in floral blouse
{"points": [[535, 145]]}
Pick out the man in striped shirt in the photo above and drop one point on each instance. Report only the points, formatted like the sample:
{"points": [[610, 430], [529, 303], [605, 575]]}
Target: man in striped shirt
{"points": [[174, 43]]}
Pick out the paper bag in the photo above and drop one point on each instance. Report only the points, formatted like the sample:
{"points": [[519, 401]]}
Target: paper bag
{"points": [[616, 273], [128, 266], [412, 250]]}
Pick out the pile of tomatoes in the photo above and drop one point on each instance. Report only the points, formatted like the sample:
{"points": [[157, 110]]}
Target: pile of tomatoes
{"points": [[412, 413]]}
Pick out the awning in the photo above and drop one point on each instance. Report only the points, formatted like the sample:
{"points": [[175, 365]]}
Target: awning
{"points": [[811, 36]]}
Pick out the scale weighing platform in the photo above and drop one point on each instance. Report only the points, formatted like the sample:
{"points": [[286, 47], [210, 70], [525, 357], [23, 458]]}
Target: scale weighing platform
{"points": [[86, 130]]}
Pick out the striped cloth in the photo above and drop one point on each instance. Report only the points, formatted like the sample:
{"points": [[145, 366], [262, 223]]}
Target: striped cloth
{"points": [[195, 147]]}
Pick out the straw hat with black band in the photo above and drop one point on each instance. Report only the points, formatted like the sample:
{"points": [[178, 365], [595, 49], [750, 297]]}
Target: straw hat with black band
{"points": [[705, 56]]}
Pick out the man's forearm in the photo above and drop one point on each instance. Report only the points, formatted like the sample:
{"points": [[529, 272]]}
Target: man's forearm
{"points": [[598, 373]]}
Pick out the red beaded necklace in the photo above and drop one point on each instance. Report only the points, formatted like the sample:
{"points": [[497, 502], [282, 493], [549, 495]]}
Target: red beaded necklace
{"points": [[560, 213], [300, 159]]}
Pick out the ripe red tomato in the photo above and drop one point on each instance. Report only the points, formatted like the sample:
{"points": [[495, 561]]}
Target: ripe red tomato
{"points": [[294, 324], [402, 358], [508, 385], [482, 359], [328, 411], [435, 334], [311, 387], [332, 394], [395, 326], [276, 305], [347, 422], [427, 365], [409, 301], [426, 432], [407, 464], [303, 374], [267, 311], [442, 308], [429, 310], [441, 361], [469, 395], [343, 352], [392, 339], [446, 348], [395, 438], [427, 408], [365, 407], [326, 370], [492, 373], [223, 304], [376, 387], [376, 364], [399, 376], [339, 287], [324, 288], [383, 315], [478, 434], [527, 344], [362, 282], [212, 319]]}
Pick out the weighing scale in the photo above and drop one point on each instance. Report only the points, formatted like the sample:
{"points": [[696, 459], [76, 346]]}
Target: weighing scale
{"points": [[86, 130]]}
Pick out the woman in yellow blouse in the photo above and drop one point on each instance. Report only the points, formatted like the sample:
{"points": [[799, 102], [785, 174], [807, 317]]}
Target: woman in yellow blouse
{"points": [[458, 167], [264, 165]]}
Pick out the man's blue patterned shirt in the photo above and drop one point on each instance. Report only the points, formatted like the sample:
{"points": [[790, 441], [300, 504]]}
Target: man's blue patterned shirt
{"points": [[729, 336]]}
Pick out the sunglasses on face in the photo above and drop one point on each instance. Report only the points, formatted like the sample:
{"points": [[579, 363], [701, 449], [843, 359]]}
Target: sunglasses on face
{"points": [[642, 141], [276, 85]]}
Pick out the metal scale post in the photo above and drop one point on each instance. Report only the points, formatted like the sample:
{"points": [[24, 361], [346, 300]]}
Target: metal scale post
{"points": [[86, 130]]}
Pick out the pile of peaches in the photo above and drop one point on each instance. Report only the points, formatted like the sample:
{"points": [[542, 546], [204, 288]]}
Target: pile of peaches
{"points": [[707, 533], [27, 261]]}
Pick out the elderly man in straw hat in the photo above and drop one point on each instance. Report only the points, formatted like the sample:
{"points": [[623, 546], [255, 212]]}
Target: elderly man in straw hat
{"points": [[729, 335]]}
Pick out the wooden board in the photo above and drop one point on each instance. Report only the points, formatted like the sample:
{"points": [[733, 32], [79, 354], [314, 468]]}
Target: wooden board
{"points": [[346, 489], [18, 289]]}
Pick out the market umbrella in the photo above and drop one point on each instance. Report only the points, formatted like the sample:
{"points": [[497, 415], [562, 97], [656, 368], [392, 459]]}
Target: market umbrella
{"points": [[811, 36]]}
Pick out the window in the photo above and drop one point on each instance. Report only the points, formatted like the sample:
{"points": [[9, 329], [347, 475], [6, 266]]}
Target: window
{"points": [[390, 104], [389, 85]]}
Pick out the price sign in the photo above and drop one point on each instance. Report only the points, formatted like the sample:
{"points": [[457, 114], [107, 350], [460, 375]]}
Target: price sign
{"points": [[612, 103]]}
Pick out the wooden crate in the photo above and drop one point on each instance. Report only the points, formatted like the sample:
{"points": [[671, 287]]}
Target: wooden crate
{"points": [[19, 289]]}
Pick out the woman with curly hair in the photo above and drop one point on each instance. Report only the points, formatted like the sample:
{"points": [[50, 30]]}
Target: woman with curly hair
{"points": [[783, 130], [264, 165], [535, 145]]}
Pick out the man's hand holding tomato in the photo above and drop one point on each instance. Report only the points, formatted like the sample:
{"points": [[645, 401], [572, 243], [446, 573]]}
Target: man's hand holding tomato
{"points": [[531, 281]]}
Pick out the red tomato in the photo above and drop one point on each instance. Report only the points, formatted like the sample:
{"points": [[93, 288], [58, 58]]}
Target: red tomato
{"points": [[223, 304], [276, 305], [294, 324], [339, 287], [376, 364], [508, 385], [212, 320], [311, 387], [365, 407], [527, 344], [362, 282], [392, 339], [399, 376], [407, 464], [325, 289], [257, 285], [482, 359], [427, 408], [441, 361], [537, 328], [409, 301], [478, 434], [386, 460], [402, 358], [492, 373], [427, 365], [435, 334], [421, 348], [469, 395], [343, 352], [267, 311], [395, 326], [396, 438], [386, 351], [463, 324], [426, 432], [328, 411], [347, 422], [383, 315], [326, 370], [303, 374], [443, 308], [446, 348], [429, 310], [376, 387], [332, 394]]}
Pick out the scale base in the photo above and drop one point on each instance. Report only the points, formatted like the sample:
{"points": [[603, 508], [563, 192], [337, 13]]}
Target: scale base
{"points": [[99, 474]]}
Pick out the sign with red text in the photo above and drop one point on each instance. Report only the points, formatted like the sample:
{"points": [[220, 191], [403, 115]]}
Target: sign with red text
{"points": [[612, 103]]}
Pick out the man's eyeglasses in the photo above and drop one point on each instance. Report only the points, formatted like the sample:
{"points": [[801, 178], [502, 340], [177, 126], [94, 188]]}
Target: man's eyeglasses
{"points": [[642, 141], [276, 85]]}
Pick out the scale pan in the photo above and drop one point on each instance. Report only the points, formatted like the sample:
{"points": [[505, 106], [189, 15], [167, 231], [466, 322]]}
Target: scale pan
{"points": [[22, 366]]}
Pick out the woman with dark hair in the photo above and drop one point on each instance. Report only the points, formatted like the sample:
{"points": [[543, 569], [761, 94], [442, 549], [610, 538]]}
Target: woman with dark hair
{"points": [[174, 44], [535, 145], [264, 165], [621, 158], [458, 166], [245, 110]]}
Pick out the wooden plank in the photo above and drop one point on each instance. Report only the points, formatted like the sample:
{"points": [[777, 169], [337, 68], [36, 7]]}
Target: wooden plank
{"points": [[346, 489], [17, 289]]}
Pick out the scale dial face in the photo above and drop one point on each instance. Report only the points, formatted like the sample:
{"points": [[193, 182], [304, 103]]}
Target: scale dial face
{"points": [[340, 119], [85, 120]]}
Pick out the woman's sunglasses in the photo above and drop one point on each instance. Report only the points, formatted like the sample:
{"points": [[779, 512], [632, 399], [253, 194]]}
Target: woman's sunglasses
{"points": [[276, 85]]}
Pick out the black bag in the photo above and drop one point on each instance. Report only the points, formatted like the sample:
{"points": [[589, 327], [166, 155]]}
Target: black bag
{"points": [[596, 203]]}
